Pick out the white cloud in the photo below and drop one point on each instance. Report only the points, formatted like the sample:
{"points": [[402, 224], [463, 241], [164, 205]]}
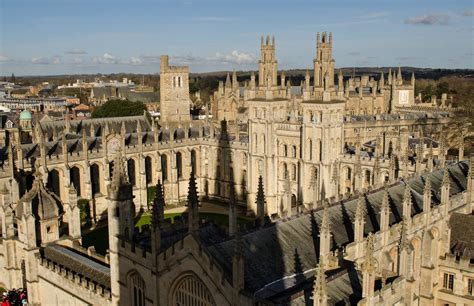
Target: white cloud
{"points": [[75, 51], [235, 57], [55, 60], [3, 58], [468, 13], [429, 19], [214, 19], [107, 58]]}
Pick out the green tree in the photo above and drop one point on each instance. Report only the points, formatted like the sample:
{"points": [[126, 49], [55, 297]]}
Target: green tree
{"points": [[119, 108]]}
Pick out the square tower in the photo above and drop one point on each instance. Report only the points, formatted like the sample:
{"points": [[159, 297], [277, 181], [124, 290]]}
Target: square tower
{"points": [[174, 92]]}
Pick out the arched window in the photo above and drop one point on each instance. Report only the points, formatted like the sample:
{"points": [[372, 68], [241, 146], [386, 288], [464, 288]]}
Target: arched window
{"points": [[294, 172], [285, 171], [75, 179], [54, 182], [179, 164], [191, 291], [131, 171], [263, 143], [349, 173], [285, 150], [148, 170], [367, 177], [310, 145], [293, 151], [136, 285], [193, 161], [164, 167], [95, 179]]}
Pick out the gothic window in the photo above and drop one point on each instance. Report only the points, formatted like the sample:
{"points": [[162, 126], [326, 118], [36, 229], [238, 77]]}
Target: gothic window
{"points": [[54, 182], [348, 173], [448, 281], [137, 289], [367, 177], [285, 170], [244, 159], [131, 171], [192, 291], [148, 170], [75, 179], [310, 145], [470, 286], [285, 150], [293, 151], [263, 143], [179, 164], [193, 161], [164, 167], [294, 172], [95, 178]]}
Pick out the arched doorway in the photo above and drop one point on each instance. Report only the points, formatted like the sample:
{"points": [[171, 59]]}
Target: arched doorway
{"points": [[190, 291]]}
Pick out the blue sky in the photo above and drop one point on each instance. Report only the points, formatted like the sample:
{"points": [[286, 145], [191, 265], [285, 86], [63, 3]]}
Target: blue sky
{"points": [[103, 36]]}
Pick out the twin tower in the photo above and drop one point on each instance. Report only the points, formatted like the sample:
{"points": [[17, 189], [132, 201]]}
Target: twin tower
{"points": [[323, 63], [174, 80]]}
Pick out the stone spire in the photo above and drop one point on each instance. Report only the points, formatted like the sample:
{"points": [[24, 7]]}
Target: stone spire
{"points": [[385, 210], [320, 295], [232, 210], [407, 202], [193, 205], [445, 190], [369, 267], [228, 83], [427, 196], [324, 236], [413, 79], [235, 83], [399, 76], [359, 220], [260, 201], [238, 269], [120, 189], [157, 216]]}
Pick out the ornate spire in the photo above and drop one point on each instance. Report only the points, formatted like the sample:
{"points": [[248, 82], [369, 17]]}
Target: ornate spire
{"points": [[407, 202], [119, 188], [385, 200], [370, 263], [320, 286], [325, 219], [193, 204], [359, 214], [157, 215], [446, 181], [403, 243]]}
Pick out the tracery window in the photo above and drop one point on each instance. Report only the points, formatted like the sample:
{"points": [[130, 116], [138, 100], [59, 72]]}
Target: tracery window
{"points": [[137, 289], [191, 291]]}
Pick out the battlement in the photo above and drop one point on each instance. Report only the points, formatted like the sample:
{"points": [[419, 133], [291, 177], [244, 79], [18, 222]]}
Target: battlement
{"points": [[75, 277]]}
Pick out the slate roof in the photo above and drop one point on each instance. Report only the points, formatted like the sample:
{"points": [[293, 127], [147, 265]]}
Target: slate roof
{"points": [[462, 235], [269, 252], [78, 263]]}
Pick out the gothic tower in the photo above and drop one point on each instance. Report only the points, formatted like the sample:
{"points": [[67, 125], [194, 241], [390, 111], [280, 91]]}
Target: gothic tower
{"points": [[174, 92], [267, 65], [323, 63]]}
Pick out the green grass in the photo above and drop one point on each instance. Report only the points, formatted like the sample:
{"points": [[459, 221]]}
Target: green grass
{"points": [[99, 236]]}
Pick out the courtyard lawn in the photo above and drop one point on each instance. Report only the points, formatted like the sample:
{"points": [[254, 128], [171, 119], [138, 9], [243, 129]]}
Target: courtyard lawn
{"points": [[99, 237]]}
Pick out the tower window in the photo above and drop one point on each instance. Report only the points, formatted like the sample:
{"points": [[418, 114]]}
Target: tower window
{"points": [[470, 286], [448, 281]]}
